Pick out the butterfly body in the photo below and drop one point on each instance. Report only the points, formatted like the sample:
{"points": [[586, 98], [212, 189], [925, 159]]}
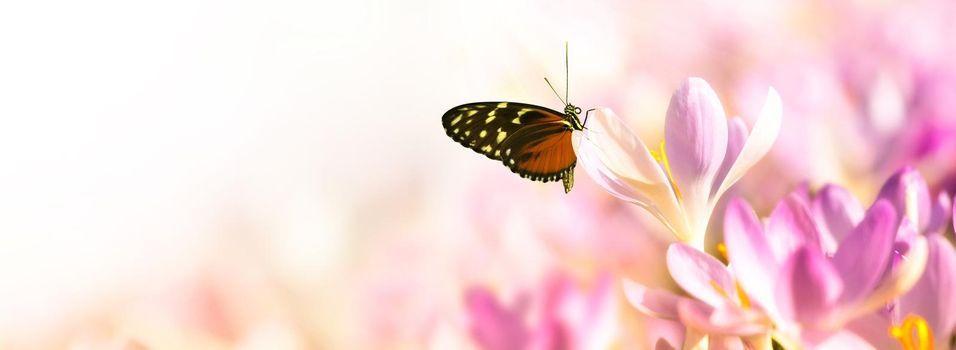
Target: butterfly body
{"points": [[532, 141]]}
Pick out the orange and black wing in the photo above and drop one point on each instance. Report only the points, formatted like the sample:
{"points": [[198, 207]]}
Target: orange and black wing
{"points": [[533, 141], [542, 152]]}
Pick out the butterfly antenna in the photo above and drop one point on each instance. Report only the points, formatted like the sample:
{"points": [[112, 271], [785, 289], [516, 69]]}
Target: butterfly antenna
{"points": [[555, 91], [566, 74]]}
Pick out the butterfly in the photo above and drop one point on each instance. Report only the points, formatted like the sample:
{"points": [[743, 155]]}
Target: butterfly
{"points": [[532, 141]]}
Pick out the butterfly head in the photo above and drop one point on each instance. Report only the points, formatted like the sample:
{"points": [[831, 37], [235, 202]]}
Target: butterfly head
{"points": [[573, 112]]}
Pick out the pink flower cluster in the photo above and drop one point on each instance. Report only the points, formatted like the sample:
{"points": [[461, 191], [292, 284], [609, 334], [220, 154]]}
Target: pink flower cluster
{"points": [[820, 271]]}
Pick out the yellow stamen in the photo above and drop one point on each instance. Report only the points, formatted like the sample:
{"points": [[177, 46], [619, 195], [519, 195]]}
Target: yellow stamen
{"points": [[720, 290], [744, 300], [670, 176], [657, 156], [921, 339], [722, 250]]}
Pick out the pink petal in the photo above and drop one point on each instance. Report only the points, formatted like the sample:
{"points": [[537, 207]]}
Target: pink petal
{"points": [[808, 287], [736, 136], [717, 342], [662, 344], [874, 328], [699, 274], [590, 317], [791, 226], [902, 278], [727, 319], [762, 136], [695, 134], [749, 253], [656, 303], [492, 325], [896, 189], [940, 214], [838, 211], [934, 295], [841, 340], [864, 254]]}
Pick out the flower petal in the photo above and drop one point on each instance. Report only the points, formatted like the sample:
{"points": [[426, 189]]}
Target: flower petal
{"points": [[808, 287], [620, 162], [899, 281], [841, 340], [662, 344], [727, 319], [790, 227], [907, 191], [932, 296], [695, 134], [749, 253], [873, 327], [656, 303], [700, 274], [736, 136], [864, 254], [718, 342], [762, 137], [493, 326], [838, 212], [940, 214]]}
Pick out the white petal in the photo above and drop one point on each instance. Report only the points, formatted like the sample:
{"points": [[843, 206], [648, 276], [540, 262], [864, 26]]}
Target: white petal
{"points": [[761, 138], [620, 162]]}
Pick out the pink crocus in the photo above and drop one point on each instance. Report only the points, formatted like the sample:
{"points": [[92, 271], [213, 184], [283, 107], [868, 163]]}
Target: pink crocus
{"points": [[812, 294], [716, 312], [563, 316], [702, 155], [931, 302], [907, 191]]}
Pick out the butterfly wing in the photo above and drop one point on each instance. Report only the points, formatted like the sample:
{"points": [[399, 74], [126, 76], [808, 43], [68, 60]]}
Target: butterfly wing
{"points": [[484, 126], [533, 141], [542, 152]]}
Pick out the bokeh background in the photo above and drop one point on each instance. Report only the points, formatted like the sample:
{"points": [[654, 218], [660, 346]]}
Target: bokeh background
{"points": [[273, 174]]}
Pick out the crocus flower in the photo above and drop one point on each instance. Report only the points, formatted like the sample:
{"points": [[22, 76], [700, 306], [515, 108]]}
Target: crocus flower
{"points": [[931, 304], [810, 294], [702, 155], [717, 313], [565, 317], [907, 191]]}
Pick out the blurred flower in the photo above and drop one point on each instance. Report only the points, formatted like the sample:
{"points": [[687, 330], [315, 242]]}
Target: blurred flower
{"points": [[566, 317], [907, 191], [702, 155], [810, 295], [717, 311]]}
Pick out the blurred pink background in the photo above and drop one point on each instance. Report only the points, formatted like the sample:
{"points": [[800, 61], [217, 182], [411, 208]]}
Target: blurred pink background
{"points": [[273, 175]]}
